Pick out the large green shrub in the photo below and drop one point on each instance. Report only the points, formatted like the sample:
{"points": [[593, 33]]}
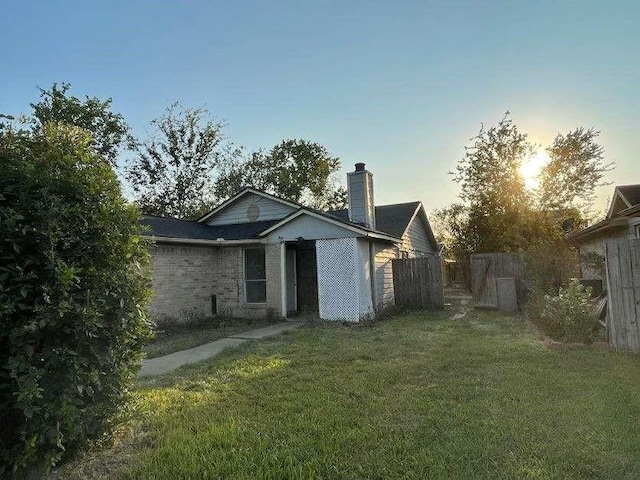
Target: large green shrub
{"points": [[569, 316], [549, 265], [73, 293]]}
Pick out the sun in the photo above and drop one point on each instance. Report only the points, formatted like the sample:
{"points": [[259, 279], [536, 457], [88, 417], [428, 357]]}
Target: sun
{"points": [[532, 166]]}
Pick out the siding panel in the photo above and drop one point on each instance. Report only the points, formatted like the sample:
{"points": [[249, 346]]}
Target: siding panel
{"points": [[415, 240], [383, 255], [237, 212]]}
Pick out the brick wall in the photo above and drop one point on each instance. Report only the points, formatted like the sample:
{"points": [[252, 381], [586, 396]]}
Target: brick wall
{"points": [[182, 281], [185, 277]]}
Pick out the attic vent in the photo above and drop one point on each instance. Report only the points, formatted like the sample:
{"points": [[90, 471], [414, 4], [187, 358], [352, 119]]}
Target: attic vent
{"points": [[253, 212]]}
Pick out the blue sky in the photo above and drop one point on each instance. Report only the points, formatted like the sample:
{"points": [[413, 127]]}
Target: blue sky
{"points": [[401, 86]]}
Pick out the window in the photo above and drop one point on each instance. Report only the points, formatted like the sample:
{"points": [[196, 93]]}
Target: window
{"points": [[255, 278]]}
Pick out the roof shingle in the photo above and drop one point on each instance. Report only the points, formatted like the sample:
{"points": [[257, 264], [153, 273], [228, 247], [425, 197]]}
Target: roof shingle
{"points": [[631, 193], [175, 228], [390, 219]]}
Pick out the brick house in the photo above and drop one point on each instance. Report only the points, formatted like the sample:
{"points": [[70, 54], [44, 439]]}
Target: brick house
{"points": [[257, 255]]}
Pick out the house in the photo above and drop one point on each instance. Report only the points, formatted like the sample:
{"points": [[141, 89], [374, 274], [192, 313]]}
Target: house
{"points": [[622, 221], [257, 255]]}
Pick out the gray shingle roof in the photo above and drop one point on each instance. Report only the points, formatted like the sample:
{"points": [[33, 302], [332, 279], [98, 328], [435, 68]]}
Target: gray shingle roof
{"points": [[175, 228], [390, 219], [631, 193]]}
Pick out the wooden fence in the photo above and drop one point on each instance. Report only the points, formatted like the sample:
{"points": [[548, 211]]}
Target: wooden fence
{"points": [[623, 284], [485, 269], [417, 282]]}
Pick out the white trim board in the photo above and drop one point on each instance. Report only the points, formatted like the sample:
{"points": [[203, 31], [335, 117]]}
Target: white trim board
{"points": [[201, 241]]}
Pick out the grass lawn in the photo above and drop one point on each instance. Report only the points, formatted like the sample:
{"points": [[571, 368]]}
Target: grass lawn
{"points": [[181, 337], [419, 396]]}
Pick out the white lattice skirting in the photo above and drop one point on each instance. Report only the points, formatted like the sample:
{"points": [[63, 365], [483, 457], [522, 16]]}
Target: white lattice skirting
{"points": [[344, 285]]}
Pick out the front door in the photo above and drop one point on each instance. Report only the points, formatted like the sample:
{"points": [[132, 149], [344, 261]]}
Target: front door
{"points": [[307, 273]]}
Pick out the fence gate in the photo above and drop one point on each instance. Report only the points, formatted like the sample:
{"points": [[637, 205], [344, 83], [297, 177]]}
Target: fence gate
{"points": [[485, 269], [417, 282], [623, 285]]}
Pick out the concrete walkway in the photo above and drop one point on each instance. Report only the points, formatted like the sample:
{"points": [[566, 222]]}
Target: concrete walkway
{"points": [[167, 363]]}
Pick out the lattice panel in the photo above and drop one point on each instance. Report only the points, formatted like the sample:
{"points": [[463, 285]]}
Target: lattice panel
{"points": [[343, 284]]}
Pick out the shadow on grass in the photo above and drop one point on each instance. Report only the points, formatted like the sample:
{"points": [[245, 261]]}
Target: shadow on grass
{"points": [[420, 396]]}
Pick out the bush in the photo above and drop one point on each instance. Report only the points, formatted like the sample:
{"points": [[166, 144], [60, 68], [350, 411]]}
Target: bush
{"points": [[569, 316], [548, 266], [73, 292]]}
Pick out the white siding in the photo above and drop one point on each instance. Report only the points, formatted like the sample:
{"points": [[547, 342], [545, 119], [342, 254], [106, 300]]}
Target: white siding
{"points": [[237, 212], [415, 240], [309, 228], [383, 254], [344, 282]]}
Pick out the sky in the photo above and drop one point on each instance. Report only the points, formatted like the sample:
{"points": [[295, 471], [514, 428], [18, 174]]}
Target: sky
{"points": [[402, 86]]}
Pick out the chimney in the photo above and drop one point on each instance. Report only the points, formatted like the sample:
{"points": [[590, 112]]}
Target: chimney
{"points": [[360, 189]]}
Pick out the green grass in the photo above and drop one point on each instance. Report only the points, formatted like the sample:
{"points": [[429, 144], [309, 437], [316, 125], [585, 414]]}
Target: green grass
{"points": [[180, 337], [419, 396]]}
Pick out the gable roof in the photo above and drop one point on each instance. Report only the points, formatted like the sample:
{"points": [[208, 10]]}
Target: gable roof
{"points": [[392, 219], [617, 217], [166, 227], [624, 197], [631, 193], [241, 193], [392, 222], [367, 232]]}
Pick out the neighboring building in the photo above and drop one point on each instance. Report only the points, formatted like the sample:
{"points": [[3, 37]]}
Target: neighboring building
{"points": [[622, 221], [257, 255]]}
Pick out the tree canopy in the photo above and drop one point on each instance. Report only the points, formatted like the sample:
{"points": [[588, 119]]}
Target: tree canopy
{"points": [[173, 172], [498, 212], [108, 129], [298, 170]]}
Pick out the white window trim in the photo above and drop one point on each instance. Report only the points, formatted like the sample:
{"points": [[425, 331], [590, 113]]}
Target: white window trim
{"points": [[244, 276]]}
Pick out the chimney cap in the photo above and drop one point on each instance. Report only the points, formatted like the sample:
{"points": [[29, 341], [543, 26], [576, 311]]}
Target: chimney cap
{"points": [[360, 167]]}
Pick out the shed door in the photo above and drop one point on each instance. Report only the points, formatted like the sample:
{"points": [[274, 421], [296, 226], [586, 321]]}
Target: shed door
{"points": [[307, 273]]}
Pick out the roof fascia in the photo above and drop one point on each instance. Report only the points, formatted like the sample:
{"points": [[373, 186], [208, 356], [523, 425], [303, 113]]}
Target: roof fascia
{"points": [[241, 194], [201, 241], [599, 227]]}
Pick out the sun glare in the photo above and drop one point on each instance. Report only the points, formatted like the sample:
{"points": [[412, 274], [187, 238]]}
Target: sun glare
{"points": [[532, 166]]}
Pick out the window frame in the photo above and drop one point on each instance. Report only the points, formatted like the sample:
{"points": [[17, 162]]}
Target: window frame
{"points": [[244, 275]]}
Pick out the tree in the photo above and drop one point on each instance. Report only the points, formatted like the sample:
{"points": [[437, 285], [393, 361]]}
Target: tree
{"points": [[73, 294], [576, 168], [450, 226], [173, 171], [493, 189], [297, 170], [109, 130], [502, 214]]}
